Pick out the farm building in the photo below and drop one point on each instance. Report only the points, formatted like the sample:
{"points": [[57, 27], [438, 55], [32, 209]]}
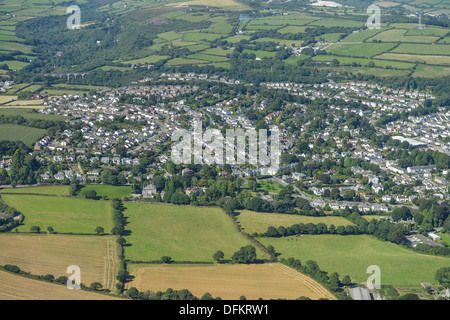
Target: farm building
{"points": [[358, 293]]}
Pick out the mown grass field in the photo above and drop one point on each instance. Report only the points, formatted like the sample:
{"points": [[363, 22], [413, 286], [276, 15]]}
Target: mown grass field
{"points": [[184, 233], [353, 254], [50, 190], [267, 281], [62, 214], [97, 256], [106, 190], [14, 287], [252, 221], [27, 135]]}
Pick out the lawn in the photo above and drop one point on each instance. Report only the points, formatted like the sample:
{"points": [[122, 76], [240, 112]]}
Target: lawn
{"points": [[109, 191], [267, 281], [27, 135], [252, 221], [184, 233], [353, 254], [66, 215], [267, 185]]}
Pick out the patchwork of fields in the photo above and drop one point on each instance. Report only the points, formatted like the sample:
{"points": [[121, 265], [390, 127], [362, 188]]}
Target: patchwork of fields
{"points": [[187, 233], [195, 233], [352, 255]]}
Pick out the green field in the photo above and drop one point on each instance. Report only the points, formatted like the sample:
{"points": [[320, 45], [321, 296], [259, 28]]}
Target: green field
{"points": [[50, 190], [292, 29], [199, 36], [336, 23], [109, 191], [180, 61], [364, 61], [184, 233], [208, 57], [353, 254], [27, 135], [399, 35], [261, 53], [427, 71], [149, 59], [361, 35], [62, 214], [425, 49], [365, 50], [252, 221], [428, 59], [30, 115]]}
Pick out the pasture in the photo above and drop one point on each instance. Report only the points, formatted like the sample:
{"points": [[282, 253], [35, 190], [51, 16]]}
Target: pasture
{"points": [[184, 233], [108, 191], [427, 71], [47, 190], [428, 59], [97, 256], [267, 281], [29, 113], [399, 35], [363, 61], [353, 254], [25, 134], [252, 221], [365, 50], [65, 215]]}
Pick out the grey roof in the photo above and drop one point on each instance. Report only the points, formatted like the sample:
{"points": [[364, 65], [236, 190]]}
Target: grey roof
{"points": [[358, 293]]}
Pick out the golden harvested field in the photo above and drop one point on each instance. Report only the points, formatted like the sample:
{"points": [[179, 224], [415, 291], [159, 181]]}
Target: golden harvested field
{"points": [[269, 280], [96, 256], [14, 287], [6, 99]]}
